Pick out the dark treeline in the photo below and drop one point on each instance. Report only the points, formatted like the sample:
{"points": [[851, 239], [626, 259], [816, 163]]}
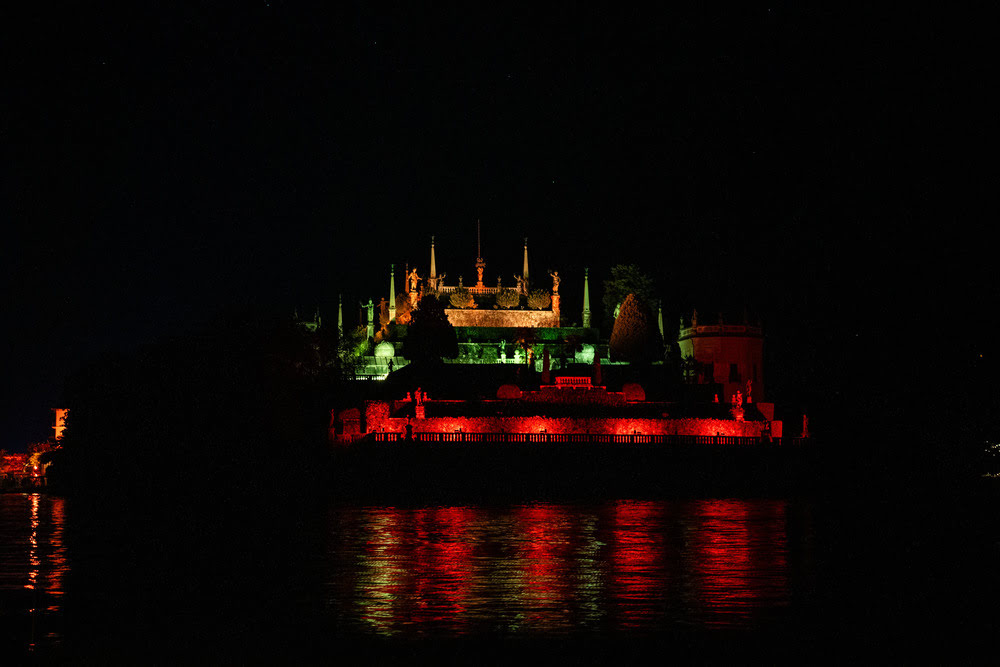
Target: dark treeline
{"points": [[186, 465], [242, 405]]}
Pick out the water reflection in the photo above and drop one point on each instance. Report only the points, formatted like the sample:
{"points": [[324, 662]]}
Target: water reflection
{"points": [[33, 564], [740, 559], [554, 568]]}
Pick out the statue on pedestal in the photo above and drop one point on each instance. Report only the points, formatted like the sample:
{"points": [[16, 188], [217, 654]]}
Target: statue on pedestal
{"points": [[521, 287], [411, 280], [737, 409], [555, 281]]}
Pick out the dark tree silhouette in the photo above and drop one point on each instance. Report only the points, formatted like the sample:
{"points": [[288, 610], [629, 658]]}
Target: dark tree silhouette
{"points": [[430, 336], [626, 279], [635, 338]]}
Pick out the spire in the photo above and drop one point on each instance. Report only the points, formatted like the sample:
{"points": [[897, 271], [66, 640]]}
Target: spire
{"points": [[524, 273], [392, 292], [434, 272], [586, 299], [340, 315]]}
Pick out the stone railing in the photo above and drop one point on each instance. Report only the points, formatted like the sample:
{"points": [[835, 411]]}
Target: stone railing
{"points": [[719, 330], [578, 438], [472, 289], [569, 381]]}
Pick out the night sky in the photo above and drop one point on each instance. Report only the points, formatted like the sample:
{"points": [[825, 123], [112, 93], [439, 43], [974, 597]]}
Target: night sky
{"points": [[169, 162]]}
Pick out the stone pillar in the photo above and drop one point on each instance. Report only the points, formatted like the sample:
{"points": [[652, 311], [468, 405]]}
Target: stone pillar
{"points": [[480, 264], [371, 319], [60, 425], [340, 315], [392, 292], [555, 310], [524, 273], [586, 299], [434, 272]]}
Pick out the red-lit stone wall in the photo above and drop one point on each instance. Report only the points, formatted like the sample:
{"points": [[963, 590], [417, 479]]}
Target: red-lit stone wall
{"points": [[575, 396], [378, 420]]}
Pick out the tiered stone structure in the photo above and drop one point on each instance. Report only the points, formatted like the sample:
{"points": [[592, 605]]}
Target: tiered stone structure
{"points": [[473, 317], [571, 406]]}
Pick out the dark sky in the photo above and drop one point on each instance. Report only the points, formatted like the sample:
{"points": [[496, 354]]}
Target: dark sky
{"points": [[169, 162]]}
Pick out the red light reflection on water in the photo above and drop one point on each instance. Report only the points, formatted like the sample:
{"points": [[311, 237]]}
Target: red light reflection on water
{"points": [[443, 558], [554, 568], [542, 561], [33, 563], [739, 556], [638, 580]]}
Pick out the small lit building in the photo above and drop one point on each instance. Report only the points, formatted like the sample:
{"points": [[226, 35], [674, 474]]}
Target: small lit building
{"points": [[731, 355]]}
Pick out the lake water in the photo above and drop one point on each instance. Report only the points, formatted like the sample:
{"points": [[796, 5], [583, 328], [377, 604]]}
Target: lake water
{"points": [[624, 570]]}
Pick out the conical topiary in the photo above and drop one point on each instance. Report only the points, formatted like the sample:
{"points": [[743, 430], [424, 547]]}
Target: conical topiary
{"points": [[634, 338]]}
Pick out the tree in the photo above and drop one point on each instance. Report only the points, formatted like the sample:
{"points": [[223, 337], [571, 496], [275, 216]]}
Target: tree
{"points": [[462, 298], [627, 279], [635, 338], [430, 336], [508, 298], [350, 351], [539, 299], [403, 308]]}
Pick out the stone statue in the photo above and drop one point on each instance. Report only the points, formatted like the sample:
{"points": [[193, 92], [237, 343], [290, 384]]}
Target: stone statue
{"points": [[503, 348], [737, 409], [520, 284], [370, 306], [499, 279], [555, 281], [749, 388], [412, 279]]}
